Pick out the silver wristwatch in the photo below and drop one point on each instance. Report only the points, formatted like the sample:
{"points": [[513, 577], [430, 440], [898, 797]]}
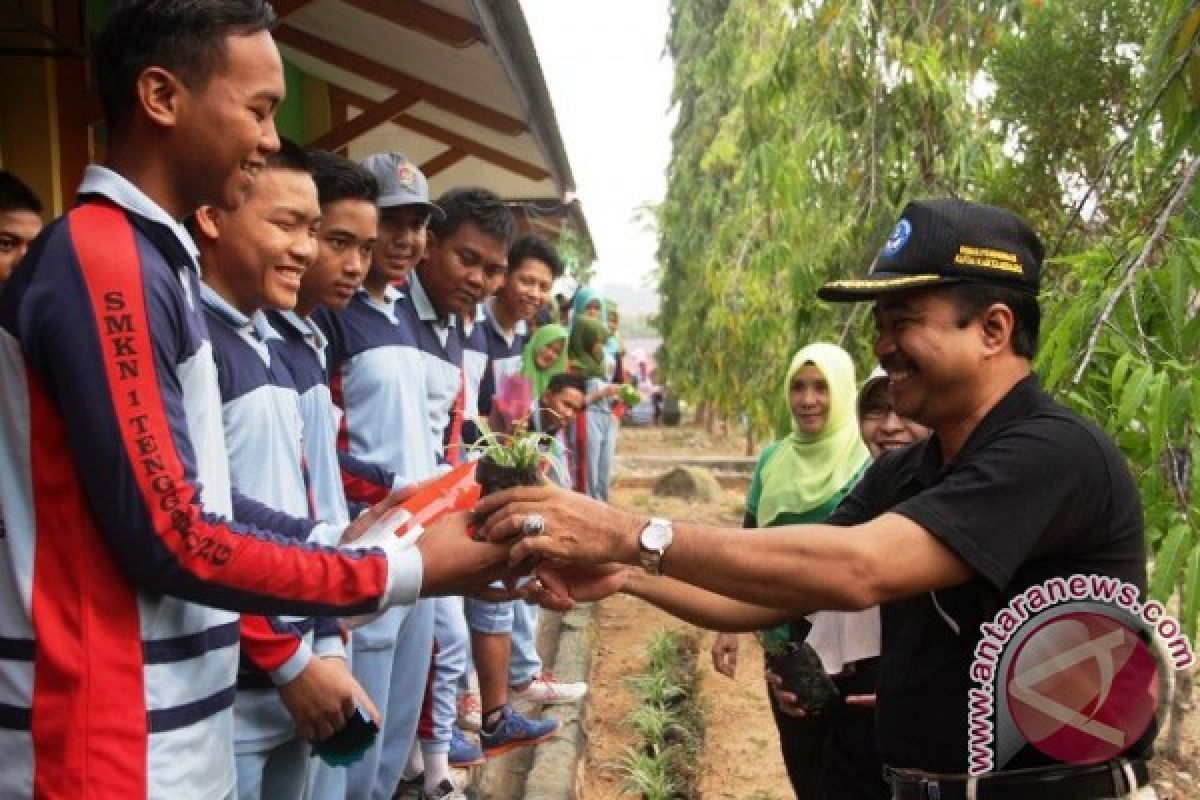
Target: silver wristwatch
{"points": [[653, 542]]}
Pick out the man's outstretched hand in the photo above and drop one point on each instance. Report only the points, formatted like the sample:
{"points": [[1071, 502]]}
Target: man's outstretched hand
{"points": [[578, 529], [559, 586]]}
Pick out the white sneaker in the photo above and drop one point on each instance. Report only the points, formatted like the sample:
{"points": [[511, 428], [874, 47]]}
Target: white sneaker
{"points": [[470, 712], [544, 689]]}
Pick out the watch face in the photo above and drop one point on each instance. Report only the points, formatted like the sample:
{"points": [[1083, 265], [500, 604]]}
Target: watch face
{"points": [[656, 535]]}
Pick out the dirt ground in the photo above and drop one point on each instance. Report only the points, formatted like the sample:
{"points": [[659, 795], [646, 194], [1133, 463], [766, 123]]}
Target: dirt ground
{"points": [[741, 759], [741, 751], [687, 440]]}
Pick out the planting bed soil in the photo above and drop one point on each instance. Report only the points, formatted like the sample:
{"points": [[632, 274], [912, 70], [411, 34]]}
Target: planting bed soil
{"points": [[740, 759]]}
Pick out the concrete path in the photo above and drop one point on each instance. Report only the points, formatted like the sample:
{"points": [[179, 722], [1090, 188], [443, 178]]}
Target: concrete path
{"points": [[549, 771]]}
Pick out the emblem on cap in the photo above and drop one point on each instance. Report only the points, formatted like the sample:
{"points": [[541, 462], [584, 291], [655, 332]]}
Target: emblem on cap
{"points": [[897, 238], [406, 175]]}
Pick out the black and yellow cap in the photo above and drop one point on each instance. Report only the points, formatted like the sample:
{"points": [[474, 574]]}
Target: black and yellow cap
{"points": [[947, 240]]}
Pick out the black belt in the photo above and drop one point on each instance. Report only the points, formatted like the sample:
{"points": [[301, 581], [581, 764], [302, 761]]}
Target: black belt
{"points": [[1108, 780]]}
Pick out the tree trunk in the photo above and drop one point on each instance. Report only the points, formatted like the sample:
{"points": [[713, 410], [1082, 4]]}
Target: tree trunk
{"points": [[1180, 707], [750, 440]]}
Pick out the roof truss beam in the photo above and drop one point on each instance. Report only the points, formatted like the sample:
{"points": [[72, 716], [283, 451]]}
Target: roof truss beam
{"points": [[455, 141], [443, 162], [397, 80], [414, 15], [424, 19], [372, 116]]}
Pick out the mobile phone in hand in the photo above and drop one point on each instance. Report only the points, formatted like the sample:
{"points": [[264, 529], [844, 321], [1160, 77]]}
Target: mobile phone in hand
{"points": [[347, 745]]}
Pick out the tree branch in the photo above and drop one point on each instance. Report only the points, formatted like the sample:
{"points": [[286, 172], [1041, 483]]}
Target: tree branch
{"points": [[1160, 230], [1110, 160]]}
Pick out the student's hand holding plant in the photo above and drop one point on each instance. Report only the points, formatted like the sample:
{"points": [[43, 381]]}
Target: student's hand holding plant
{"points": [[455, 564]]}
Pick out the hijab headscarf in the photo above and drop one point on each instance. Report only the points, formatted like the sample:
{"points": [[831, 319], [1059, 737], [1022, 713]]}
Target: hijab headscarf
{"points": [[583, 297], [808, 470], [544, 337], [586, 333], [613, 345], [876, 377]]}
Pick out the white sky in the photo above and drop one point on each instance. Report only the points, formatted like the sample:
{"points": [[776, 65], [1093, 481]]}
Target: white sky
{"points": [[611, 88]]}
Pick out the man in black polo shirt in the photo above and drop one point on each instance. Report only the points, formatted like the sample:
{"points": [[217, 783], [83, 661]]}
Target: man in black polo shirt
{"points": [[1012, 490]]}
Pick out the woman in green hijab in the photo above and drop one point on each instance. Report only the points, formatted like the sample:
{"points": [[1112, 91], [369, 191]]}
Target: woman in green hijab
{"points": [[586, 348], [595, 433], [588, 303], [544, 356], [801, 479]]}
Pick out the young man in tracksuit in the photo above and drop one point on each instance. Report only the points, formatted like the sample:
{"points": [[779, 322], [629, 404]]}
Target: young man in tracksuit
{"points": [[504, 634], [377, 377], [252, 259], [119, 553], [467, 250], [345, 239]]}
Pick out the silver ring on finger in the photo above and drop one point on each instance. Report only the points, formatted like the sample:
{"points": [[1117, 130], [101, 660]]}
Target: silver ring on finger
{"points": [[533, 525]]}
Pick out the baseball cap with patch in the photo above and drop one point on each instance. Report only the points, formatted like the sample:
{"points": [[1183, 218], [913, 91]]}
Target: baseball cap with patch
{"points": [[947, 240], [401, 182]]}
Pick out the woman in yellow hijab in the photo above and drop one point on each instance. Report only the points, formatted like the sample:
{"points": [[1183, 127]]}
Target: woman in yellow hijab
{"points": [[801, 479]]}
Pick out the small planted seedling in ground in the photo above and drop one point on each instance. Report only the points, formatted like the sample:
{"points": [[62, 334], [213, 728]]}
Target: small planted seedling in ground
{"points": [[652, 723], [667, 721], [662, 652], [657, 689], [649, 776]]}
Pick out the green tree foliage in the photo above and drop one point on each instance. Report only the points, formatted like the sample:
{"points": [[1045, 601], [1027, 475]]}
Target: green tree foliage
{"points": [[578, 259], [805, 126]]}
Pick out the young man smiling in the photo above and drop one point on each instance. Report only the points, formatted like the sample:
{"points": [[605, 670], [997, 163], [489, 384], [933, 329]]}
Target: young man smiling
{"points": [[404, 214], [115, 489], [533, 266], [564, 398], [254, 259], [378, 380], [345, 241], [504, 634]]}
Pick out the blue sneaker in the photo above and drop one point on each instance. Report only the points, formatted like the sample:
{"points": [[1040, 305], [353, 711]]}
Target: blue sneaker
{"points": [[463, 752], [513, 731]]}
